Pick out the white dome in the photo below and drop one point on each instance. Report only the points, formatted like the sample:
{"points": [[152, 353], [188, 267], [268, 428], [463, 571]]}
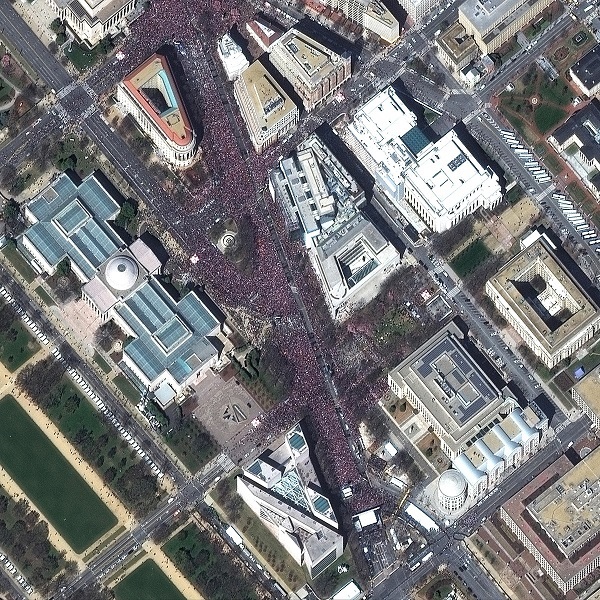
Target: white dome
{"points": [[121, 273], [452, 484]]}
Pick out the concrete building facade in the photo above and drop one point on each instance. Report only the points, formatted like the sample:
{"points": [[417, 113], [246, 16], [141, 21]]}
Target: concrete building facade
{"points": [[315, 72], [93, 20], [267, 110], [282, 488], [480, 426], [493, 22], [545, 304]]}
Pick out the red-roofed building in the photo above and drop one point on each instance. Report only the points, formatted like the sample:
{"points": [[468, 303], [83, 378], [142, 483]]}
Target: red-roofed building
{"points": [[150, 95]]}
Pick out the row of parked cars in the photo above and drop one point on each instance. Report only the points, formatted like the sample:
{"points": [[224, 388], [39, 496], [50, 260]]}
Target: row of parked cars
{"points": [[13, 570], [101, 406], [24, 316]]}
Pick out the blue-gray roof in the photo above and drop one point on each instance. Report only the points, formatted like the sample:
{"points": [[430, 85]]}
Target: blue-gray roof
{"points": [[171, 336], [71, 221]]}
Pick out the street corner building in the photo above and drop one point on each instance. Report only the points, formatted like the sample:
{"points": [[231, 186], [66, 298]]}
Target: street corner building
{"points": [[458, 393], [281, 487], [150, 95], [557, 518], [550, 304]]}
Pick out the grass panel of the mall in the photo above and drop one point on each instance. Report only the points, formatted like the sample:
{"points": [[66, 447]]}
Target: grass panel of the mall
{"points": [[147, 582], [52, 484], [17, 346]]}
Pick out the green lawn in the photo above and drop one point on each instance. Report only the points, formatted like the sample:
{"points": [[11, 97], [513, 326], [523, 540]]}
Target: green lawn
{"points": [[470, 258], [556, 92], [147, 582], [82, 59], [553, 164], [193, 444], [45, 296], [102, 363], [547, 117], [201, 560], [17, 346], [127, 388], [19, 263], [48, 479]]}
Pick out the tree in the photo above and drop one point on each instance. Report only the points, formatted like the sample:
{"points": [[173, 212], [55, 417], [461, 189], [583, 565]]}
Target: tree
{"points": [[63, 269], [57, 26], [127, 213]]}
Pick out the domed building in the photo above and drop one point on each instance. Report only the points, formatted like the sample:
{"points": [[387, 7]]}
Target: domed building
{"points": [[121, 273], [452, 490]]}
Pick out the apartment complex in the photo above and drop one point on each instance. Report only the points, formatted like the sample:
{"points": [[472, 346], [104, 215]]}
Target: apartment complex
{"points": [[321, 204], [439, 183], [93, 20], [544, 302], [315, 72], [150, 95], [282, 488], [493, 22], [457, 393], [557, 517], [173, 341], [267, 110]]}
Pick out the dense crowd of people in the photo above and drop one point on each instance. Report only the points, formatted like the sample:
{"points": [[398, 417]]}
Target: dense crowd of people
{"points": [[235, 188]]}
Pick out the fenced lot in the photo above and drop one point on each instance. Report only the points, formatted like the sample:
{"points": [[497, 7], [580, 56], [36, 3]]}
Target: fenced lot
{"points": [[147, 582], [49, 480]]}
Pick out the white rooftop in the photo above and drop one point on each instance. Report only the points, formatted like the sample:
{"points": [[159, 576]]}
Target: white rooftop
{"points": [[446, 174]]}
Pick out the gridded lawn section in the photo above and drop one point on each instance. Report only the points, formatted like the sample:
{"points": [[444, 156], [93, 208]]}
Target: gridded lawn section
{"points": [[470, 258], [19, 263], [127, 388], [102, 363], [101, 444], [202, 561], [49, 480], [17, 346], [193, 444], [547, 117], [147, 582]]}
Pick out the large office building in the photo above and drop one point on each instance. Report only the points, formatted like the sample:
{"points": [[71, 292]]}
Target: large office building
{"points": [[457, 392], [282, 488], [269, 113], [173, 342], [544, 302], [578, 142], [315, 72], [150, 95], [456, 48], [493, 22], [439, 183], [557, 518], [93, 20], [232, 57], [321, 203], [586, 72]]}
